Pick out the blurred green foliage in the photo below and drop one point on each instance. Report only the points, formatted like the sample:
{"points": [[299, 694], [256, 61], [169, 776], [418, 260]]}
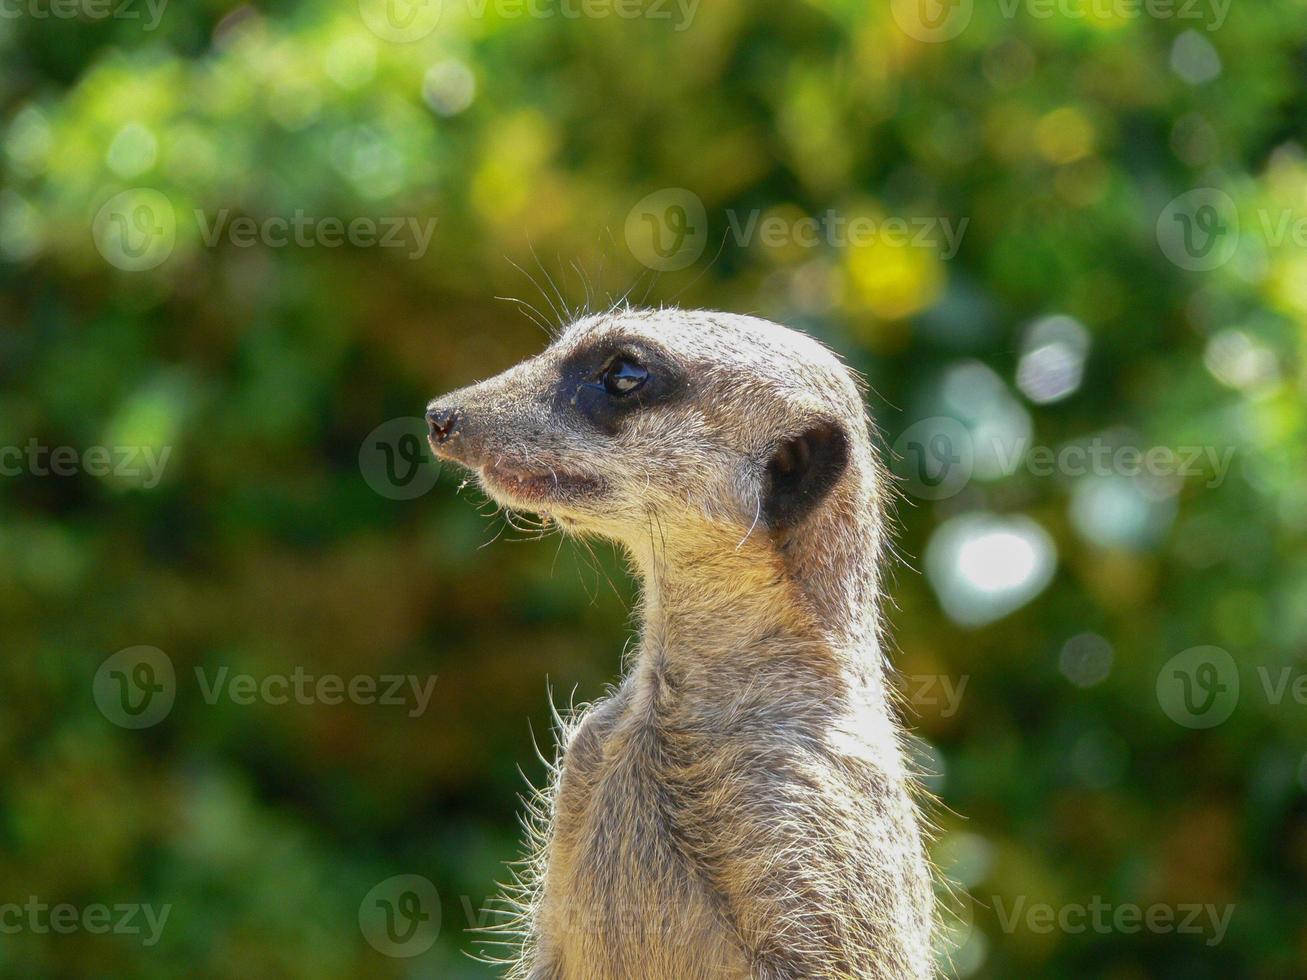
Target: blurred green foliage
{"points": [[262, 369]]}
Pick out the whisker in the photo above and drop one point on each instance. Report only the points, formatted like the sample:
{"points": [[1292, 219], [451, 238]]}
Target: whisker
{"points": [[702, 272], [558, 315], [565, 316], [536, 316]]}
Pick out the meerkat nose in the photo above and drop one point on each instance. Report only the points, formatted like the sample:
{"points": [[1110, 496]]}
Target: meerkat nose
{"points": [[442, 423]]}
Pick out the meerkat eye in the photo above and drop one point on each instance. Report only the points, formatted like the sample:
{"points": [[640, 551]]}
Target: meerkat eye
{"points": [[624, 376]]}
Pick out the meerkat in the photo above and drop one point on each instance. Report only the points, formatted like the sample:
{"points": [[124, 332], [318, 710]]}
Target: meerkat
{"points": [[740, 806]]}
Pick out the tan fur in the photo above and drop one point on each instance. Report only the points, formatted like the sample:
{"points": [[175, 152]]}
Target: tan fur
{"points": [[740, 806]]}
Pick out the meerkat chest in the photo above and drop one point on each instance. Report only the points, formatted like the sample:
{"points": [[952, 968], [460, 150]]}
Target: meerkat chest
{"points": [[621, 898]]}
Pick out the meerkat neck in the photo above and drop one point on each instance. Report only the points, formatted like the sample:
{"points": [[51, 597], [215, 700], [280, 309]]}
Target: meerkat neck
{"points": [[711, 600], [711, 606]]}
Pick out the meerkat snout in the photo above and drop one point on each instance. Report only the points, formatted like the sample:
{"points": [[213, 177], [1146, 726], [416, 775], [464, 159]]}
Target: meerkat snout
{"points": [[441, 423]]}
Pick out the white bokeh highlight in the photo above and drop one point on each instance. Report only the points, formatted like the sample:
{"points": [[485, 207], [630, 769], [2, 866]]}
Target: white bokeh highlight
{"points": [[983, 566]]}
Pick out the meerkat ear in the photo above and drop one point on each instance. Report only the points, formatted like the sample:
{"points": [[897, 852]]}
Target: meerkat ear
{"points": [[802, 471]]}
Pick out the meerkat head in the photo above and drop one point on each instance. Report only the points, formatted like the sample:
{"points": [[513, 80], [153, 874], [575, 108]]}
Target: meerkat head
{"points": [[682, 426]]}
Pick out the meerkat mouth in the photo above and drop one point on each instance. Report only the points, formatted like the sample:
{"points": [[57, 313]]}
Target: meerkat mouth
{"points": [[533, 487]]}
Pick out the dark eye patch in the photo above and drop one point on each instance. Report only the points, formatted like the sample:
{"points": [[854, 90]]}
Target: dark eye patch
{"points": [[598, 381]]}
